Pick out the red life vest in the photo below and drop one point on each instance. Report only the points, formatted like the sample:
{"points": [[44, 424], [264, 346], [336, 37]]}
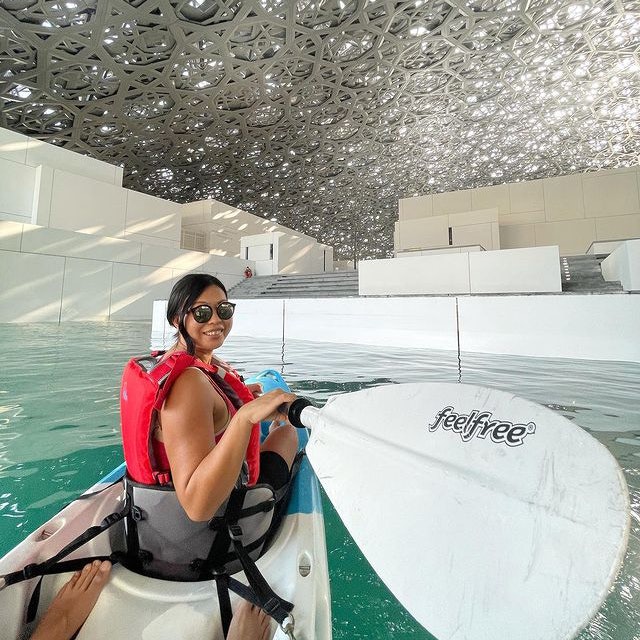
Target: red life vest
{"points": [[145, 385]]}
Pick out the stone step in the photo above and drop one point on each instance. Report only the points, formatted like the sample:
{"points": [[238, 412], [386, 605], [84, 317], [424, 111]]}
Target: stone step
{"points": [[583, 274], [309, 285]]}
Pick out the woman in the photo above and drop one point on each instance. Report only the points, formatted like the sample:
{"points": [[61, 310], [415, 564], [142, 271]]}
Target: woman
{"points": [[204, 465], [189, 424]]}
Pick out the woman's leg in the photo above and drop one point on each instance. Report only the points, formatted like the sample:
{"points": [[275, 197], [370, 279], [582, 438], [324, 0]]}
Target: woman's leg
{"points": [[73, 603], [282, 440]]}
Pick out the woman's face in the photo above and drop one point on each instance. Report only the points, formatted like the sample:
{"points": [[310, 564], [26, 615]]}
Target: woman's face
{"points": [[208, 335]]}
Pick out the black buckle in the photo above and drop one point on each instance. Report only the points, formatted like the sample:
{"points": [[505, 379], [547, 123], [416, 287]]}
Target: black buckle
{"points": [[197, 565], [29, 571], [271, 606], [137, 514], [235, 531]]}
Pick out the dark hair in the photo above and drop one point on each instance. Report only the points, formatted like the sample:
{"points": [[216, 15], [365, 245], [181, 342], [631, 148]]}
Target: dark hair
{"points": [[184, 293]]}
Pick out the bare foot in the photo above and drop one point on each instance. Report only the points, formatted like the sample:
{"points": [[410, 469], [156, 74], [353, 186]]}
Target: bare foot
{"points": [[249, 623], [73, 603]]}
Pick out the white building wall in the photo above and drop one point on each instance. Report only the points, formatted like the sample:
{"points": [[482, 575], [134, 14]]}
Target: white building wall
{"points": [[78, 226], [224, 225], [285, 253], [469, 228], [231, 230], [52, 187], [299, 253], [52, 275], [569, 211], [21, 149]]}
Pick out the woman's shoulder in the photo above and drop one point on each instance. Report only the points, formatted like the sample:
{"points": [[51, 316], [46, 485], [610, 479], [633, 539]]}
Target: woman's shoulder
{"points": [[191, 389]]}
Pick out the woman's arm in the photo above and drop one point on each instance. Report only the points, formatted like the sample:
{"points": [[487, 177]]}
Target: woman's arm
{"points": [[204, 472]]}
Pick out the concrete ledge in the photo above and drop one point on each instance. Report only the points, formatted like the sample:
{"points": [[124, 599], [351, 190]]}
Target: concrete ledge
{"points": [[602, 327], [531, 270], [393, 322], [581, 327], [600, 247], [438, 274]]}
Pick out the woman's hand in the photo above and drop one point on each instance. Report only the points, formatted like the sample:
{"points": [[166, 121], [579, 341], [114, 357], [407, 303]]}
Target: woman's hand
{"points": [[265, 407], [255, 388]]}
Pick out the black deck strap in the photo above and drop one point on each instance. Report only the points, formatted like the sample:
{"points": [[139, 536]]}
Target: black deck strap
{"points": [[224, 601], [44, 568], [242, 590], [278, 608], [89, 534], [269, 601], [261, 507], [131, 532], [34, 601], [60, 567]]}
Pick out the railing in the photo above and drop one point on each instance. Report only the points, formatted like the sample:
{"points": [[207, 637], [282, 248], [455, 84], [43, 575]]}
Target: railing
{"points": [[442, 248], [588, 251]]}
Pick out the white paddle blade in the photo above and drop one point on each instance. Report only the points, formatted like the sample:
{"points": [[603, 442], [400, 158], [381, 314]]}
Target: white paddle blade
{"points": [[488, 516]]}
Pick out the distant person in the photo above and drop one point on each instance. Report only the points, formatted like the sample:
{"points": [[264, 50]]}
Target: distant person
{"points": [[248, 273]]}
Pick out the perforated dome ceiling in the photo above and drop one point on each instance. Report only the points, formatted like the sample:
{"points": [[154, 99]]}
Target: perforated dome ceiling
{"points": [[322, 113]]}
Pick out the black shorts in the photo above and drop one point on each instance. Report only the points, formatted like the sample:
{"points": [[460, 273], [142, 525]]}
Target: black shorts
{"points": [[274, 471]]}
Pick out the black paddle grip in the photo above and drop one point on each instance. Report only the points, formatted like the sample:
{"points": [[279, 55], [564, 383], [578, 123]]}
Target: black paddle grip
{"points": [[295, 409]]}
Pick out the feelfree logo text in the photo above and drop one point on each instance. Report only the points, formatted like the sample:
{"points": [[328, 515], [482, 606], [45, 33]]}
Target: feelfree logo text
{"points": [[482, 425]]}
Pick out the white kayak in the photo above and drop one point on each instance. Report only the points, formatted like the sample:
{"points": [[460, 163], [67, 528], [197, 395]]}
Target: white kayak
{"points": [[133, 606]]}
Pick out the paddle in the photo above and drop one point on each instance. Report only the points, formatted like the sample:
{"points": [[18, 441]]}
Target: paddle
{"points": [[488, 516]]}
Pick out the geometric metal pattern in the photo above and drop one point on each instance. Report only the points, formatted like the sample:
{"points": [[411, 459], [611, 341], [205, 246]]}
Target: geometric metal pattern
{"points": [[320, 114]]}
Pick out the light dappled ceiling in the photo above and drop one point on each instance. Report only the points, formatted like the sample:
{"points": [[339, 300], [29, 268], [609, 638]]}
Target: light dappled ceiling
{"points": [[320, 114]]}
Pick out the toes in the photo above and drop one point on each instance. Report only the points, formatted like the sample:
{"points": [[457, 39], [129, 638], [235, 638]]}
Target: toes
{"points": [[87, 575], [103, 572]]}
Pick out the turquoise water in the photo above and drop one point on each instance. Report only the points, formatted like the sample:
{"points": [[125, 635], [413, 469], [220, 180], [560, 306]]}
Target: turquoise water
{"points": [[59, 434]]}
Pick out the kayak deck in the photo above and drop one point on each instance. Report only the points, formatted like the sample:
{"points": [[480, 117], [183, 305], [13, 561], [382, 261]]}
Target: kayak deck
{"points": [[132, 606]]}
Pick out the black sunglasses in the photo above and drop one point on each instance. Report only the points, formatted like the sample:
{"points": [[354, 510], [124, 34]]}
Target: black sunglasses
{"points": [[203, 312]]}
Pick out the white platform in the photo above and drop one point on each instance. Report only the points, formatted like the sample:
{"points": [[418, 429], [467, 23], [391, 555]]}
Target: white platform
{"points": [[531, 270], [602, 327]]}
